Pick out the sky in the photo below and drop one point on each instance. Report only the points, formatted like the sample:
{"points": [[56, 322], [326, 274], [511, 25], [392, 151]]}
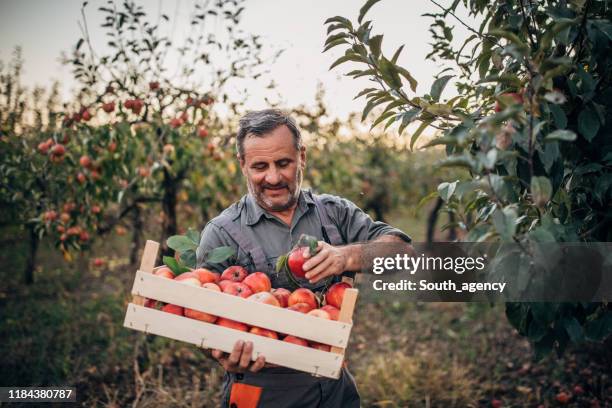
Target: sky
{"points": [[46, 28]]}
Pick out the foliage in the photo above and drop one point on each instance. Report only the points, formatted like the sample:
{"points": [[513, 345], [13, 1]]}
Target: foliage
{"points": [[529, 123]]}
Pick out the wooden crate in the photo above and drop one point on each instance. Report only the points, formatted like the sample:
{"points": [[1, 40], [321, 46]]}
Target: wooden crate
{"points": [[206, 335]]}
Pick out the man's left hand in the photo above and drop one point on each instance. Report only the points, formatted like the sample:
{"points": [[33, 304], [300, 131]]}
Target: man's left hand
{"points": [[328, 261]]}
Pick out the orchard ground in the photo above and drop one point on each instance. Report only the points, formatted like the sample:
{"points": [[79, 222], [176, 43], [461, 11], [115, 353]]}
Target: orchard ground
{"points": [[67, 329]]}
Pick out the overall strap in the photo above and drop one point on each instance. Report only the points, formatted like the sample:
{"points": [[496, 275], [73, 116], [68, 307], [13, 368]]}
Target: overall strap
{"points": [[254, 251], [328, 226]]}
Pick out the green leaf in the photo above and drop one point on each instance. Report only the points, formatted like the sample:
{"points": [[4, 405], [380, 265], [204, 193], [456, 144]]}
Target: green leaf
{"points": [[373, 103], [189, 259], [335, 37], [344, 22], [574, 329], [364, 9], [513, 38], [564, 135], [343, 59], [588, 124], [390, 73], [600, 328], [375, 44], [335, 43], [408, 117], [438, 86], [541, 190], [446, 190], [418, 132], [334, 27], [406, 74], [504, 222], [220, 254], [397, 54], [193, 235], [181, 243], [558, 116], [174, 266]]}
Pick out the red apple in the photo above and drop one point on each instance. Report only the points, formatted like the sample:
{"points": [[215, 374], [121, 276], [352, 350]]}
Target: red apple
{"points": [[303, 295], [301, 307], [211, 286], [224, 284], [165, 272], [333, 312], [238, 289], [202, 316], [264, 297], [85, 161], [282, 295], [234, 273], [335, 294], [319, 313], [264, 332], [206, 276], [296, 340], [320, 346], [258, 282], [174, 309], [189, 278], [152, 303], [232, 324]]}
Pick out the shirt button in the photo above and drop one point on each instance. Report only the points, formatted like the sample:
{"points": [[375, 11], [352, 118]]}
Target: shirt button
{"points": [[239, 376], [233, 405]]}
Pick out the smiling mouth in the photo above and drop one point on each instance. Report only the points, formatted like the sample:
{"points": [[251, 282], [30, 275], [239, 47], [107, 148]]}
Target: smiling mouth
{"points": [[276, 188]]}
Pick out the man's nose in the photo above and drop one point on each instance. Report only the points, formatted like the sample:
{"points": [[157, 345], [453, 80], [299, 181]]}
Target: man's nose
{"points": [[273, 175]]}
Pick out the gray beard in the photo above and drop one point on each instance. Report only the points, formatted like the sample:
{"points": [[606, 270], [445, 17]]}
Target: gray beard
{"points": [[263, 202]]}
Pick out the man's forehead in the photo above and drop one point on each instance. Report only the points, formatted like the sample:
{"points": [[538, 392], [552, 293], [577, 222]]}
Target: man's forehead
{"points": [[277, 142]]}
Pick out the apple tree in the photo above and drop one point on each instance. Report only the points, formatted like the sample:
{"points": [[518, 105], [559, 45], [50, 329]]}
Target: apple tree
{"points": [[529, 121]]}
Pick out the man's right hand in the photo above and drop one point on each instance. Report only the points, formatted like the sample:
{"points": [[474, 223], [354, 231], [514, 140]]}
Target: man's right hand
{"points": [[239, 360]]}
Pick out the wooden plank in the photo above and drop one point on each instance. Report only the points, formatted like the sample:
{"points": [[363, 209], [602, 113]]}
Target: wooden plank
{"points": [[346, 313], [146, 264], [207, 335], [243, 310]]}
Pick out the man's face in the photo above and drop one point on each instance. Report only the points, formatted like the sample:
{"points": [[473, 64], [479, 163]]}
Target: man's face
{"points": [[273, 168]]}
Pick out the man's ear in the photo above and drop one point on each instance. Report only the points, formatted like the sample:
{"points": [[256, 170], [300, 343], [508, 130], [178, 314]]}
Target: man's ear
{"points": [[303, 157], [242, 163]]}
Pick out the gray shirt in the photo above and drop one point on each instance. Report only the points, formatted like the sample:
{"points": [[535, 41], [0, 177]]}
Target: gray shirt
{"points": [[277, 238]]}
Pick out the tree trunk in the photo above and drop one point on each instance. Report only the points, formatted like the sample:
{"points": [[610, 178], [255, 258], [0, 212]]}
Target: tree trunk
{"points": [[31, 262], [452, 231], [136, 236], [170, 188]]}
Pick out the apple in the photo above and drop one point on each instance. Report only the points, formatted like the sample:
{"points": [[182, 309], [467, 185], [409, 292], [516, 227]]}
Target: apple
{"points": [[303, 295], [108, 107], [189, 278], [58, 150], [234, 273], [319, 346], [258, 282], [206, 276], [151, 303], [296, 340], [282, 295], [264, 297], [81, 178], [176, 122], [335, 294], [264, 332], [224, 284], [232, 324], [153, 85], [85, 161], [165, 272], [202, 316], [202, 132], [301, 307], [174, 309], [211, 286], [333, 312], [238, 289], [86, 115], [319, 313]]}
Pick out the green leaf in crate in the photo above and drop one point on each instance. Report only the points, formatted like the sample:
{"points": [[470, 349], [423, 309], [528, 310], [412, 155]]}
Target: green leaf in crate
{"points": [[181, 243], [188, 258], [193, 235], [220, 254], [177, 268]]}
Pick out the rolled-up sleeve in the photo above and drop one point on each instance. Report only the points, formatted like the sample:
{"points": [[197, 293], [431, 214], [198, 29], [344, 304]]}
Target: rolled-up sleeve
{"points": [[356, 225], [212, 237]]}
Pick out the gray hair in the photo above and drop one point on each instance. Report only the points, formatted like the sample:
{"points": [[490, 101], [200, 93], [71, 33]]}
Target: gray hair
{"points": [[260, 123]]}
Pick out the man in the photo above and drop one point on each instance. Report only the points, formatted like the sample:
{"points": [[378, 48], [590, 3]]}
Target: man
{"points": [[267, 223]]}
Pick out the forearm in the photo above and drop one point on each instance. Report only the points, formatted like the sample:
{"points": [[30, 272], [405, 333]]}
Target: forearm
{"points": [[354, 253]]}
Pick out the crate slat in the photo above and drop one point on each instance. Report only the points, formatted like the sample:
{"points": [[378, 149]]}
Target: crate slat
{"points": [[247, 311], [207, 335], [147, 263]]}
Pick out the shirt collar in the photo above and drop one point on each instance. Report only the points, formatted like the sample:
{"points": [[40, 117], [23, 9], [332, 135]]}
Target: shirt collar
{"points": [[255, 212]]}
